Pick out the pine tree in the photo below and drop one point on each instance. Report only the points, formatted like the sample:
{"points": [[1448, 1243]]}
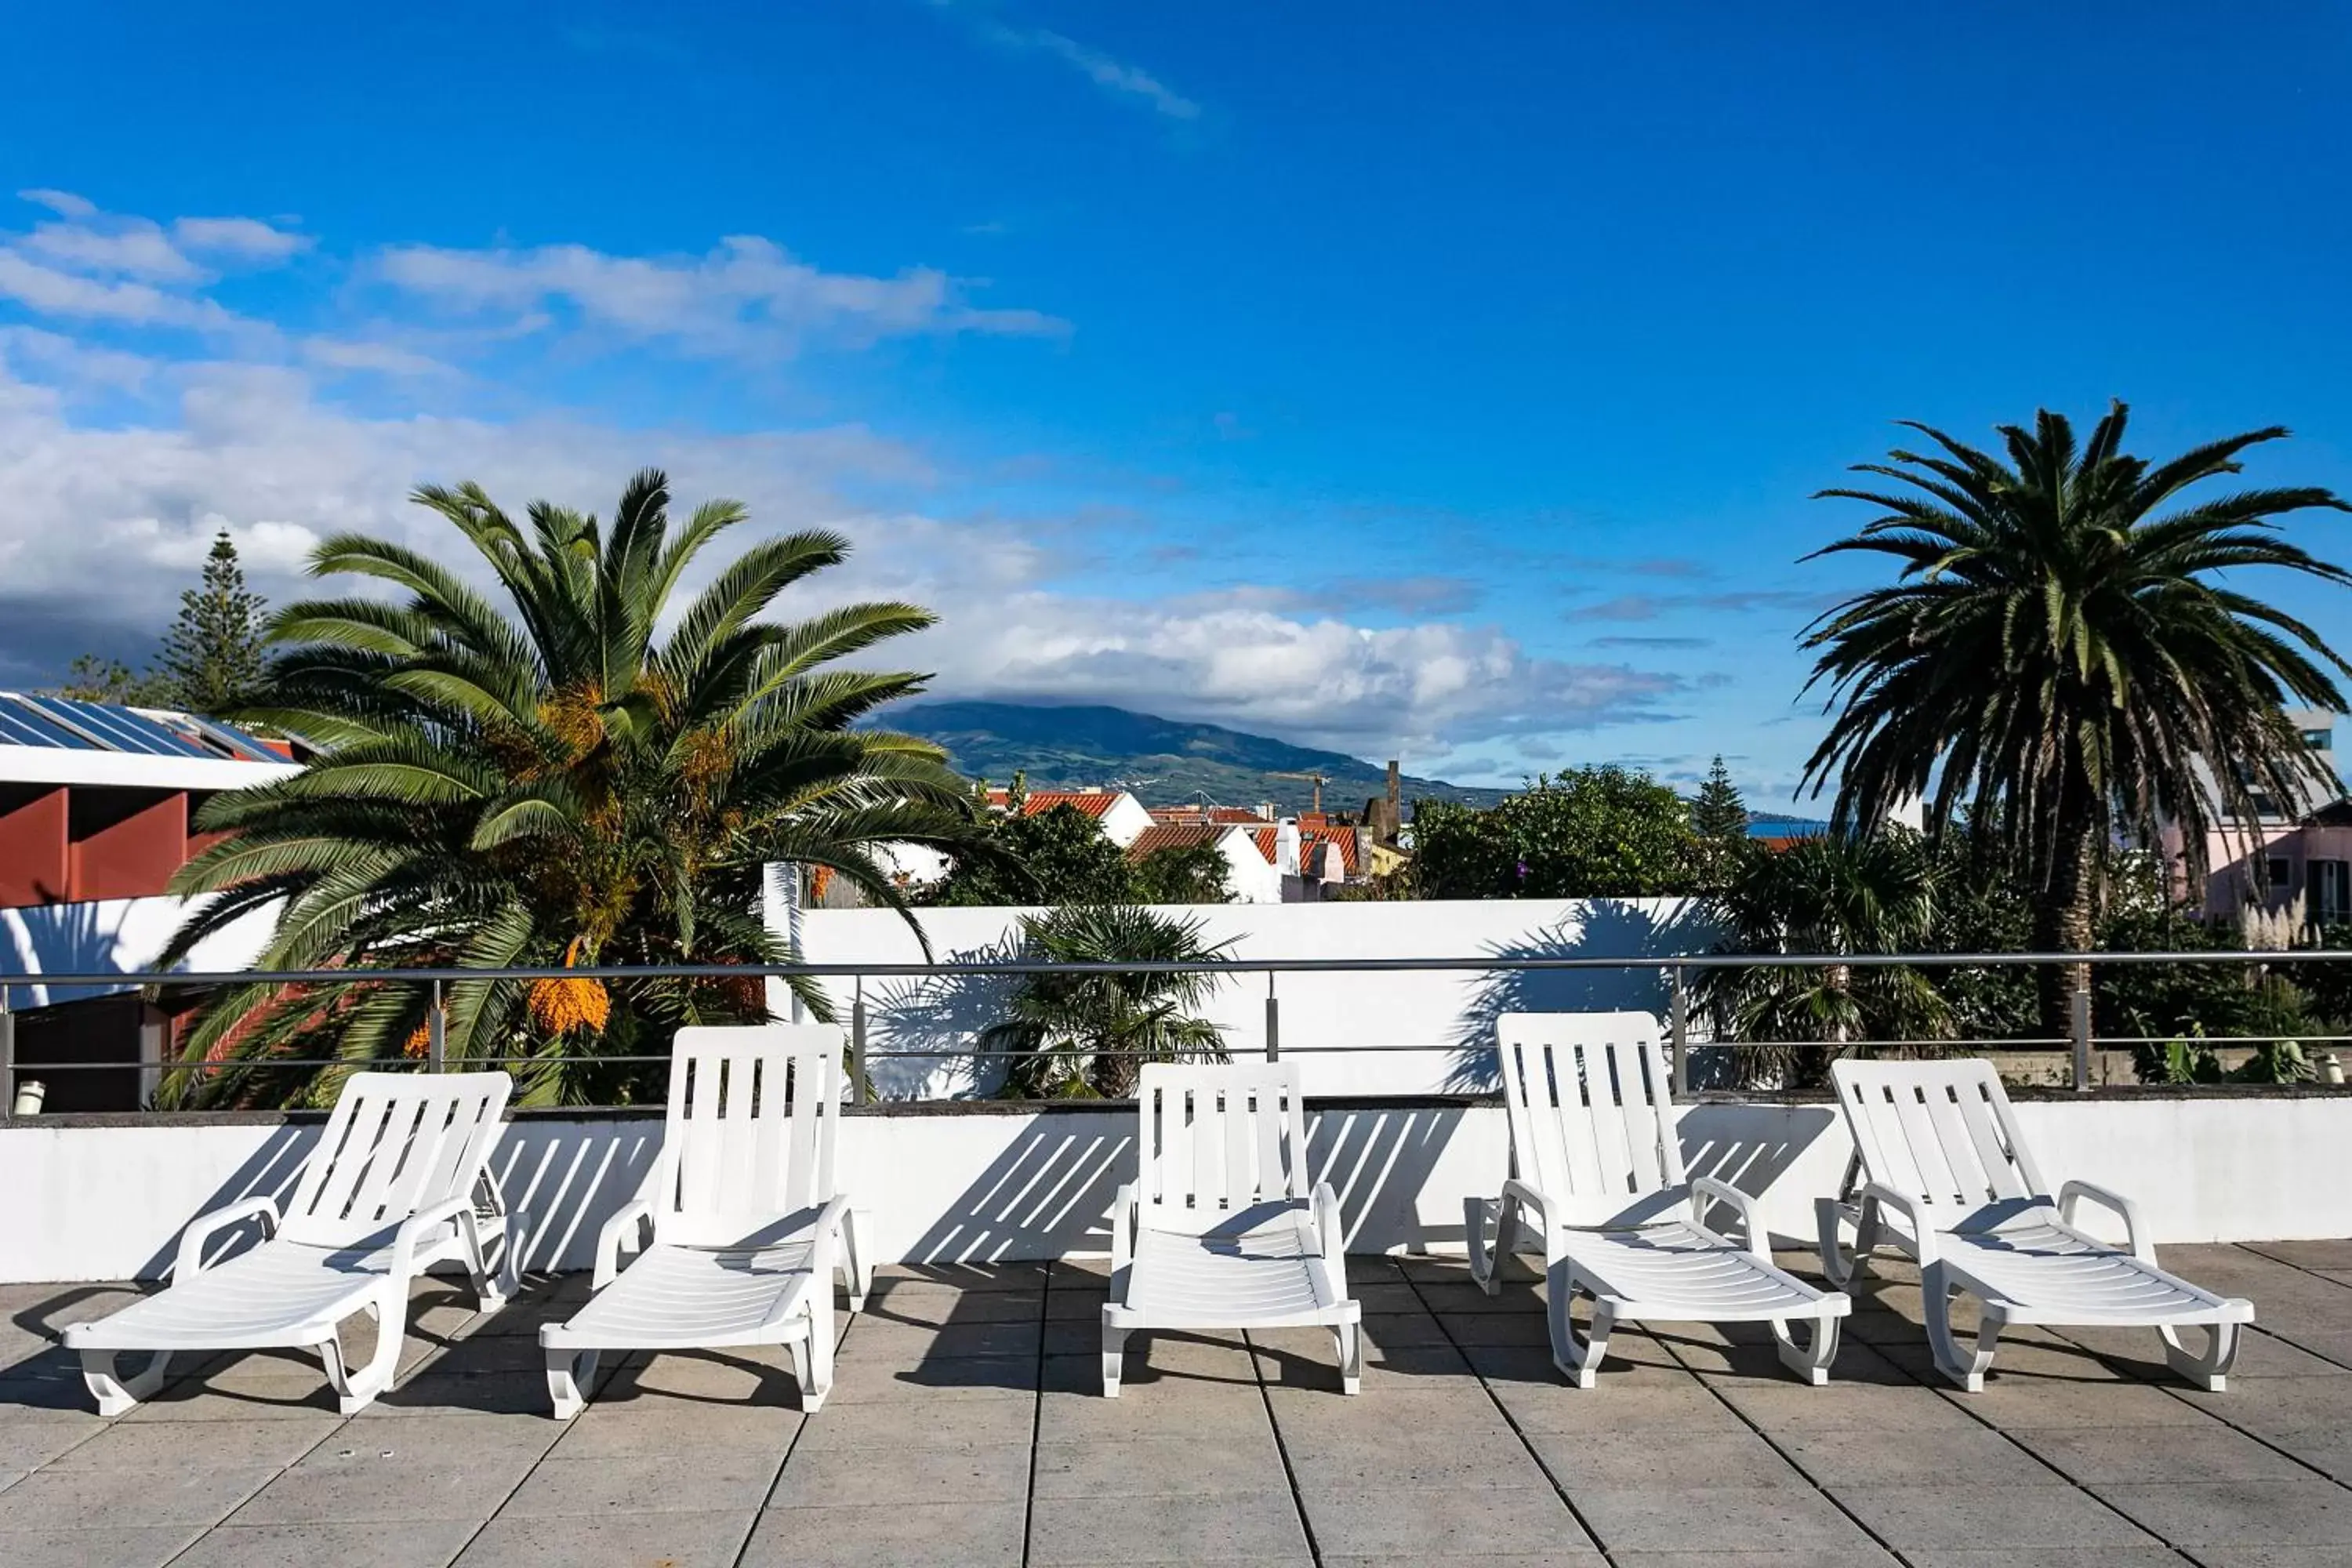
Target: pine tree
{"points": [[1719, 818], [212, 654]]}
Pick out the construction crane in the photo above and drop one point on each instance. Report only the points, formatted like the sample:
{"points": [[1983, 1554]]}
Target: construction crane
{"points": [[1318, 780]]}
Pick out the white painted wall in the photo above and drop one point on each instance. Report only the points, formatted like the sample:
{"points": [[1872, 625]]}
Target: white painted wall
{"points": [[138, 770], [1396, 1033], [108, 1203], [112, 936]]}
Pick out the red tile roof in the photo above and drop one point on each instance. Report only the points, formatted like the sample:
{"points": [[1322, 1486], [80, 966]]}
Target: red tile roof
{"points": [[1092, 803], [1171, 835], [1308, 837], [1223, 815]]}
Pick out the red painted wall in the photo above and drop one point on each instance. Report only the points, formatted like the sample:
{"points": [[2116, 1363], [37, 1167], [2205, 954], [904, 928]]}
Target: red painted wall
{"points": [[122, 849], [33, 848]]}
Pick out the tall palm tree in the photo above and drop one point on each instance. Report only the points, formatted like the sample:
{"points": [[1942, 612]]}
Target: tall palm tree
{"points": [[2065, 657], [596, 778], [1103, 1027]]}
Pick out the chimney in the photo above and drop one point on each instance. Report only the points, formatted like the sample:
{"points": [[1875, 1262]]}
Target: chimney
{"points": [[1286, 847], [1395, 822]]}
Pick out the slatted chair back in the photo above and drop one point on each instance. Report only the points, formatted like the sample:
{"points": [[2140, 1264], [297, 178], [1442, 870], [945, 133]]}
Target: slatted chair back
{"points": [[1216, 1142], [397, 1142], [1592, 1116], [1940, 1131], [750, 1135]]}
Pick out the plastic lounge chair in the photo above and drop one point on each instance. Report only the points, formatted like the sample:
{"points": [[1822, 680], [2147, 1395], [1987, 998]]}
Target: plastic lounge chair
{"points": [[1597, 1167], [1938, 1149], [390, 1190], [740, 1223], [1218, 1230]]}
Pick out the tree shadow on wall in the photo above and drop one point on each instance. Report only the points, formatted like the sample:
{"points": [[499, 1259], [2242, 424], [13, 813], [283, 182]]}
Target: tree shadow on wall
{"points": [[1610, 928], [937, 1019]]}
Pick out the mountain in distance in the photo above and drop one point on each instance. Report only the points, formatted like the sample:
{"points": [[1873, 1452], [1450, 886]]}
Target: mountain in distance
{"points": [[1069, 747]]}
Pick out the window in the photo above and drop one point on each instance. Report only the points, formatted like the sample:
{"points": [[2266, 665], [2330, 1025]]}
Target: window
{"points": [[2278, 877], [2319, 740], [2331, 891]]}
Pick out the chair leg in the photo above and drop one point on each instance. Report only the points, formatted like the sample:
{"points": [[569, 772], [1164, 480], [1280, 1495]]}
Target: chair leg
{"points": [[492, 1286], [355, 1391], [569, 1376], [1114, 1358], [1967, 1368], [816, 1372], [1579, 1360], [1810, 1362], [857, 1257], [1351, 1338], [2209, 1370], [115, 1393], [1841, 1268], [1488, 1257]]}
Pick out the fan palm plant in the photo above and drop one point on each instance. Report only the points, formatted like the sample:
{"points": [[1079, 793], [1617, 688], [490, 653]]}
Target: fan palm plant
{"points": [[596, 778], [1833, 896], [1090, 1034], [2068, 659]]}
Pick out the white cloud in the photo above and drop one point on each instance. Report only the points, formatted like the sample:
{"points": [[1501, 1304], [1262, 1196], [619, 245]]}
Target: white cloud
{"points": [[1115, 76], [136, 249], [384, 358], [50, 293], [246, 238], [748, 297]]}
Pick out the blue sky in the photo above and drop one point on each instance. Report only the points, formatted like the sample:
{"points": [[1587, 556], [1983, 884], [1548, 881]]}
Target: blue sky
{"points": [[1369, 376]]}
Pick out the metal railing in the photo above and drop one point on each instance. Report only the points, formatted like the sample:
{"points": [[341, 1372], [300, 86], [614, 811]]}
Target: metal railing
{"points": [[1677, 971]]}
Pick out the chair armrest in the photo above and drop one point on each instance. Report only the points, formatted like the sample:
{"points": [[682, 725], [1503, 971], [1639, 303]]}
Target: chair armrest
{"points": [[1332, 1235], [1757, 1239], [190, 1261], [1922, 1235], [824, 1244], [2135, 1233], [1125, 1206], [422, 1223], [613, 1235], [1527, 1198]]}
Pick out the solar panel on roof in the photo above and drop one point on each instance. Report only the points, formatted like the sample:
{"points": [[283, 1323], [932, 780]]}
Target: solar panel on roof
{"points": [[114, 729], [22, 726], [242, 746]]}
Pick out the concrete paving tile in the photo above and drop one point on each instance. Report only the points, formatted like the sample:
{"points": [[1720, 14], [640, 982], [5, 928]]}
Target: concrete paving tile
{"points": [[2146, 1554], [1435, 1523], [291, 1399], [1468, 1328], [672, 1539], [1025, 1275], [711, 1379], [1979, 1517], [1298, 1365], [1337, 1459], [163, 1445], [2051, 1403], [2122, 1456], [1611, 1411], [880, 1337], [1209, 1410], [437, 1393], [1449, 1300], [710, 1480], [1164, 1528], [1167, 1466], [2326, 1449], [418, 1543], [113, 1546], [2272, 1403], [1932, 1455], [2197, 1513], [2137, 1352], [666, 1424], [1386, 1295], [2270, 1556], [1159, 1352], [362, 1486], [904, 1425], [1440, 1407], [841, 1477], [910, 1301], [1564, 1556], [1063, 1306], [84, 1499], [414, 1434], [997, 1377], [895, 1535], [1672, 1518], [1727, 1458], [26, 1445]]}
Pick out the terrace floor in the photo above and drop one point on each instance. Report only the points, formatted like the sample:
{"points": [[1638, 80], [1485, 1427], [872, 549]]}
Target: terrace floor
{"points": [[966, 1429]]}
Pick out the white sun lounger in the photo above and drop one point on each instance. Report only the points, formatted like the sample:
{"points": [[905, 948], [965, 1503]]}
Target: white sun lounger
{"points": [[1938, 1149], [1597, 1167], [390, 1191], [741, 1225], [1218, 1230]]}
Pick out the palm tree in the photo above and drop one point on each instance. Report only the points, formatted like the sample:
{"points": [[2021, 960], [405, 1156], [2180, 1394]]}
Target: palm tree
{"points": [[1829, 895], [1105, 1027], [2062, 657], [598, 779]]}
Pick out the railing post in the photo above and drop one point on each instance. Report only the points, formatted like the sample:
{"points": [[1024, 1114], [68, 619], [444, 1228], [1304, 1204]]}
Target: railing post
{"points": [[861, 1091], [1273, 1021], [1678, 1033], [8, 1057], [2079, 1027], [437, 1034]]}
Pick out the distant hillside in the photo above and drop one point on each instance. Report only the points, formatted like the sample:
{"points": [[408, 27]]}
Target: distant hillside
{"points": [[1065, 747]]}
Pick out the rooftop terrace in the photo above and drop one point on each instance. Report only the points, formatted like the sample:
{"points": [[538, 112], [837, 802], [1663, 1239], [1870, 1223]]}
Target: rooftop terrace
{"points": [[966, 1429]]}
